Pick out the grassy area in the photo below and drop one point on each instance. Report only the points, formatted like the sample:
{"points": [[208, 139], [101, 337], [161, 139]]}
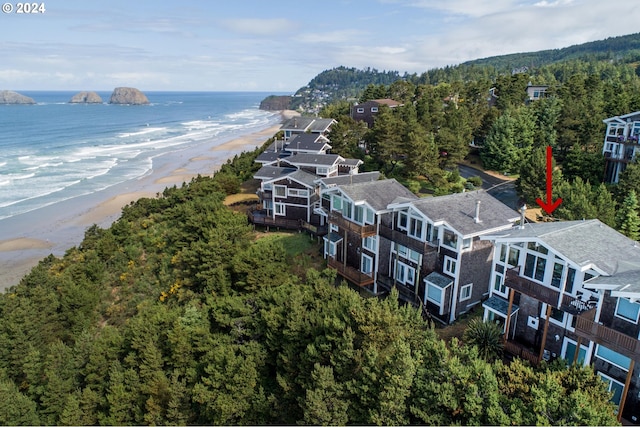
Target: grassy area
{"points": [[302, 249]]}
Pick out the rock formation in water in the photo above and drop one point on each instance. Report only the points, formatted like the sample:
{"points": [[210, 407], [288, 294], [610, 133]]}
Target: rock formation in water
{"points": [[128, 95], [11, 97], [85, 97]]}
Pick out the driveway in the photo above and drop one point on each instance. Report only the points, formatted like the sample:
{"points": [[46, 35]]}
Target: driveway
{"points": [[502, 189]]}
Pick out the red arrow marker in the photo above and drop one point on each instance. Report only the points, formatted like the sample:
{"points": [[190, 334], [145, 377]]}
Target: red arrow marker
{"points": [[549, 206]]}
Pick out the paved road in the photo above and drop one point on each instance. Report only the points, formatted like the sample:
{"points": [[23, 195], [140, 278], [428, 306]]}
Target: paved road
{"points": [[503, 190]]}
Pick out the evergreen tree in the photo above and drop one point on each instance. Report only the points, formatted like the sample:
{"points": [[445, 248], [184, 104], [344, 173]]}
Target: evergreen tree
{"points": [[627, 219], [324, 403]]}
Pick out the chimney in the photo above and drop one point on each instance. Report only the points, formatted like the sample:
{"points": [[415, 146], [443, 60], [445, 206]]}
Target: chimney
{"points": [[523, 210], [476, 219]]}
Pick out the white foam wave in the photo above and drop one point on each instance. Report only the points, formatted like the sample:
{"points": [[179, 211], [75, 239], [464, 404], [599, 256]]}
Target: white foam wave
{"points": [[142, 132]]}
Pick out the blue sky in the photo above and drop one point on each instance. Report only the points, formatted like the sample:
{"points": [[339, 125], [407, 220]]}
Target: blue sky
{"points": [[279, 45]]}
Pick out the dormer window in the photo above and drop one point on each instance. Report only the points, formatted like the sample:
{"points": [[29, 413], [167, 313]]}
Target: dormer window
{"points": [[374, 109]]}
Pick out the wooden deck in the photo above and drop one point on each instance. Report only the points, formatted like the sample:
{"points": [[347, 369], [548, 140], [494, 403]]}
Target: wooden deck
{"points": [[353, 275], [362, 230]]}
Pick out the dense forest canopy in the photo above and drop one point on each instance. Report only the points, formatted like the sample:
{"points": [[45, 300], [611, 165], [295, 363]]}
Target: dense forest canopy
{"points": [[178, 314]]}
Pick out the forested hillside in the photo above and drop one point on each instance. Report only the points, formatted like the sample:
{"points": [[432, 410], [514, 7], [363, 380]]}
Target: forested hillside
{"points": [[178, 315]]}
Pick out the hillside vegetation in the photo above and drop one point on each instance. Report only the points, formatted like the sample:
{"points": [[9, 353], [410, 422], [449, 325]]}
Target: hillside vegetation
{"points": [[177, 315]]}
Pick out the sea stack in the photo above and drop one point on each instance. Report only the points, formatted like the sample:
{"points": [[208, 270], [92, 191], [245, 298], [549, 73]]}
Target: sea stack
{"points": [[85, 97], [128, 95], [11, 97]]}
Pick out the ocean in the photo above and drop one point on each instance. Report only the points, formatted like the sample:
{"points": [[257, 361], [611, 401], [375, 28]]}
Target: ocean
{"points": [[55, 151]]}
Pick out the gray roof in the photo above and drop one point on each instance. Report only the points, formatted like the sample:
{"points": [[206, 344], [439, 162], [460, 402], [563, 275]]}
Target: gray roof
{"points": [[321, 125], [439, 280], [270, 156], [500, 305], [588, 243], [351, 162], [272, 172], [308, 142], [350, 179], [313, 159], [458, 210], [303, 177], [297, 123], [378, 194]]}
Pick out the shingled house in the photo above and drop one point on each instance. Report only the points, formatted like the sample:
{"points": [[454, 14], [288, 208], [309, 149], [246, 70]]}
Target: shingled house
{"points": [[366, 111], [621, 144], [355, 212], [571, 290], [432, 250]]}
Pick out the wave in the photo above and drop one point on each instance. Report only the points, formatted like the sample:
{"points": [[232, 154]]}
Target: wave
{"points": [[142, 132]]}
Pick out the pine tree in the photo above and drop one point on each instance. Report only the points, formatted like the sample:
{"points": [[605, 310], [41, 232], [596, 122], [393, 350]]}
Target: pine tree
{"points": [[325, 403], [627, 219]]}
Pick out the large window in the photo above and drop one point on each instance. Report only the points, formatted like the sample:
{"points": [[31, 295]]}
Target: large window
{"points": [[628, 310], [296, 192], [405, 274], [434, 293], [337, 203], [612, 357], [449, 238], [403, 220], [369, 243], [616, 387], [415, 228], [569, 352], [280, 209], [367, 264], [347, 207], [280, 190], [449, 266], [534, 267], [359, 214]]}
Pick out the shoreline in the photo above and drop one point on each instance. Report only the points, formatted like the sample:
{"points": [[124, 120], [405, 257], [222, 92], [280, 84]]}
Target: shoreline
{"points": [[29, 237]]}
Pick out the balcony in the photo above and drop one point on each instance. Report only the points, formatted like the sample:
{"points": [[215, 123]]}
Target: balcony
{"points": [[362, 230], [610, 338], [353, 275], [568, 304], [407, 241]]}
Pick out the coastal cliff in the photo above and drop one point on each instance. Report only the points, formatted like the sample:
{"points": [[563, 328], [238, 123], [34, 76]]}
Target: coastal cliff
{"points": [[275, 103], [85, 97], [128, 95], [11, 97]]}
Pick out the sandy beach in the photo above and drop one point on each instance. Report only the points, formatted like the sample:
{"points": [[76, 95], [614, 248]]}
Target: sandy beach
{"points": [[28, 238]]}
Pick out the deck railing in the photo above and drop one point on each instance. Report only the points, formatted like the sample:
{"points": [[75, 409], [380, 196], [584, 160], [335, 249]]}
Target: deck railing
{"points": [[363, 230], [351, 274], [610, 338], [408, 241]]}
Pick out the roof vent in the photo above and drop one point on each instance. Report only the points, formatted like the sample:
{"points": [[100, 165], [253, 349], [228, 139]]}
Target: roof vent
{"points": [[476, 218]]}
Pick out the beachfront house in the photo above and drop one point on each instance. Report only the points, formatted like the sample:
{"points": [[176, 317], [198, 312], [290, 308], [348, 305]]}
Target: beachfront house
{"points": [[571, 290], [323, 165], [308, 143], [287, 197], [300, 124], [355, 211], [432, 252], [620, 144]]}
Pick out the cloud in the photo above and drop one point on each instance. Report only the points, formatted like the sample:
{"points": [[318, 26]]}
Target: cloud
{"points": [[337, 36], [259, 27]]}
